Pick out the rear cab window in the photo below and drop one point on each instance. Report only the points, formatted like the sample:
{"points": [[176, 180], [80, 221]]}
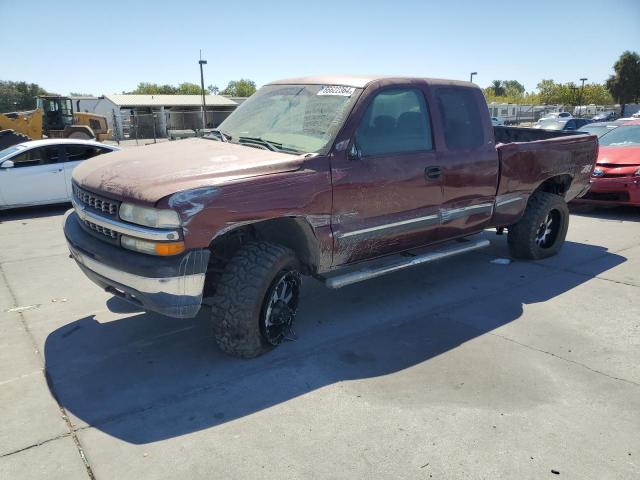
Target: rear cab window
{"points": [[461, 118], [396, 121]]}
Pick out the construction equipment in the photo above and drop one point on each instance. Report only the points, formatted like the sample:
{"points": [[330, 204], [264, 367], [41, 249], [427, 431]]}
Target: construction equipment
{"points": [[53, 118]]}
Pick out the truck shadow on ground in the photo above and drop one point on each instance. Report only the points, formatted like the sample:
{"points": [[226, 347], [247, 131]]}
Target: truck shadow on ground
{"points": [[145, 378]]}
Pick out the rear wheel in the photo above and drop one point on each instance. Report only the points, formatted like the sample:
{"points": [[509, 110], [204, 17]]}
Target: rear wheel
{"points": [[542, 229], [256, 299]]}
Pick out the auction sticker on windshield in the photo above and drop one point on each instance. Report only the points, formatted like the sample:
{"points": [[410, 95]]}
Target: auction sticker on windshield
{"points": [[337, 90]]}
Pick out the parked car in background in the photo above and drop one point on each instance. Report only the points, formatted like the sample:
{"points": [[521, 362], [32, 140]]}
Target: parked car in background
{"points": [[562, 124], [616, 176], [557, 116], [598, 128], [604, 117], [39, 172], [496, 122]]}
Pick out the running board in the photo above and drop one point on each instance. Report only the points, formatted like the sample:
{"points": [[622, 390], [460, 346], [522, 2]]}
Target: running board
{"points": [[394, 264]]}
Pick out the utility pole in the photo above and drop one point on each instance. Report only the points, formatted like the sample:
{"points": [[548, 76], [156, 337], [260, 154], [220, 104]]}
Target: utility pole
{"points": [[581, 97], [471, 76], [204, 102]]}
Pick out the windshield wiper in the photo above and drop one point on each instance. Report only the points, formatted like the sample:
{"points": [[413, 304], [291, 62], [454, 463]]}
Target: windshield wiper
{"points": [[273, 146], [224, 137]]}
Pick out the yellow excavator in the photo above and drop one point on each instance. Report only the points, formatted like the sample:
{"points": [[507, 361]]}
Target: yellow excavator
{"points": [[53, 118]]}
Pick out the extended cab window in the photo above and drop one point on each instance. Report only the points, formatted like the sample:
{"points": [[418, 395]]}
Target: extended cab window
{"points": [[37, 156], [461, 118], [396, 121]]}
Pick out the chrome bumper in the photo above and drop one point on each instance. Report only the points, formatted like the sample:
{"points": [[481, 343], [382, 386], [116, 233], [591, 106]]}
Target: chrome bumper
{"points": [[172, 286]]}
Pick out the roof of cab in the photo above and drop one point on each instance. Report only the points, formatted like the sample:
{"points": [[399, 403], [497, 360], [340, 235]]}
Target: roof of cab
{"points": [[361, 81]]}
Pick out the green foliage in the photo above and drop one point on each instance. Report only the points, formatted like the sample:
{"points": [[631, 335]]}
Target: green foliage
{"points": [[19, 95], [145, 88], [189, 89], [240, 88], [498, 89], [513, 87], [624, 85], [549, 93]]}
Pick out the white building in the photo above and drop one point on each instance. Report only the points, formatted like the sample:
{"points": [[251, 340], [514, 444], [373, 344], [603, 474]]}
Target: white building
{"points": [[154, 115]]}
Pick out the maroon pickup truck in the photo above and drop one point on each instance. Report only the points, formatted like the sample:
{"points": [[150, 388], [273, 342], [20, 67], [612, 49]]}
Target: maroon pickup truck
{"points": [[340, 178]]}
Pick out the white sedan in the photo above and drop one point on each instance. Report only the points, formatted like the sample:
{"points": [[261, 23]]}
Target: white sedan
{"points": [[39, 172]]}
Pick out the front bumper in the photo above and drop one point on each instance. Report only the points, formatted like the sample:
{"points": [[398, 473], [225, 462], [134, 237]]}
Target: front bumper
{"points": [[614, 191], [171, 286]]}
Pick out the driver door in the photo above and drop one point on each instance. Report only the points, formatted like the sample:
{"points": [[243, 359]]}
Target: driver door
{"points": [[386, 196], [36, 177]]}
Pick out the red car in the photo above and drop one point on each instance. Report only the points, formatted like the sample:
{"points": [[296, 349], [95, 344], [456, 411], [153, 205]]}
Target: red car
{"points": [[616, 177]]}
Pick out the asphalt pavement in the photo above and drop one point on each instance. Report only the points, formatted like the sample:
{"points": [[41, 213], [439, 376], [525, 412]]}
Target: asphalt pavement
{"points": [[464, 369]]}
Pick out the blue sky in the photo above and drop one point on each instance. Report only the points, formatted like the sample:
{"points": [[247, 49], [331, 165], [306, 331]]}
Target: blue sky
{"points": [[117, 44]]}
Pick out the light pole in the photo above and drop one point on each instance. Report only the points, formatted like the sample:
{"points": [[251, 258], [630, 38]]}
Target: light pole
{"points": [[471, 76], [581, 90], [204, 102]]}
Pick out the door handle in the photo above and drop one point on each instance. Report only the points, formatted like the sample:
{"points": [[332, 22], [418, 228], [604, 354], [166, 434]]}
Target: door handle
{"points": [[432, 173]]}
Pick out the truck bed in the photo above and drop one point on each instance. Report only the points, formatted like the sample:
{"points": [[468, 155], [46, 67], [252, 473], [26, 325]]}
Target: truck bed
{"points": [[566, 159], [522, 134]]}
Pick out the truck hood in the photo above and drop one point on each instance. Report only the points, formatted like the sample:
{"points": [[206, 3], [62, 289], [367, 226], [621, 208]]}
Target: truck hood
{"points": [[619, 156], [152, 172]]}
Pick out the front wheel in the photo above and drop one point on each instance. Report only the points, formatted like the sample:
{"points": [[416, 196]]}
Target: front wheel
{"points": [[541, 231], [256, 299]]}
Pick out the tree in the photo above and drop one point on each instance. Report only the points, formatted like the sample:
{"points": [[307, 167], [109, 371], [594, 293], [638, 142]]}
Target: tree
{"points": [[213, 89], [498, 89], [624, 85], [597, 94], [513, 88], [19, 95], [240, 88], [546, 90], [145, 88], [187, 88]]}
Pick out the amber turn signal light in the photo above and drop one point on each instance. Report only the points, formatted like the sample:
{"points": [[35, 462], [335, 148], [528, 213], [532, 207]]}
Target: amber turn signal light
{"points": [[173, 248]]}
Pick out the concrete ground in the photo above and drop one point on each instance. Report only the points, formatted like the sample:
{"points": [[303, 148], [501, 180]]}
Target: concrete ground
{"points": [[464, 369]]}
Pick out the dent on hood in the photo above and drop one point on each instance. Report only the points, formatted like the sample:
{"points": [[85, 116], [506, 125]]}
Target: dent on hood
{"points": [[189, 203]]}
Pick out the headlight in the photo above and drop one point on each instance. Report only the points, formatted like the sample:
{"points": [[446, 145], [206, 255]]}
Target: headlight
{"points": [[149, 217], [151, 248]]}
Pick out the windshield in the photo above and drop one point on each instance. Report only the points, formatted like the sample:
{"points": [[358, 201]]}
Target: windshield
{"points": [[10, 151], [625, 136], [303, 118], [598, 130]]}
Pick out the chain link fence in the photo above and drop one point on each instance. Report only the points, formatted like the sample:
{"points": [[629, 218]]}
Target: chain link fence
{"points": [[171, 124]]}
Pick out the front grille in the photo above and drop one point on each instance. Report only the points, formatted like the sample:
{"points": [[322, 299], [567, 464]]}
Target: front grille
{"points": [[103, 233], [95, 202]]}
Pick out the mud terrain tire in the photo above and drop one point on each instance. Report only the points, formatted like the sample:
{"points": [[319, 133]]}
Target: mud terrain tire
{"points": [[541, 231], [242, 294]]}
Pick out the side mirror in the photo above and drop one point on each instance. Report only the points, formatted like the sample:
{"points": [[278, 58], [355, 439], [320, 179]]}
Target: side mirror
{"points": [[7, 164], [354, 152]]}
